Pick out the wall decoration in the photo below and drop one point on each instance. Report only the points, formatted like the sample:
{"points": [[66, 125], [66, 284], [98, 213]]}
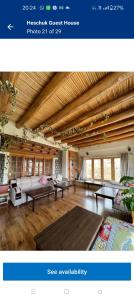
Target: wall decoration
{"points": [[7, 87]]}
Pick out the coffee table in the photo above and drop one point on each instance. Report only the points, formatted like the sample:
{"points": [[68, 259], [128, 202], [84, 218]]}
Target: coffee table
{"points": [[65, 185], [40, 193], [76, 230], [106, 192]]}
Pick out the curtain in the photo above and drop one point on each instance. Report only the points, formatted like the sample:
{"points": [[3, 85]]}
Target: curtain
{"points": [[83, 169], [124, 164]]}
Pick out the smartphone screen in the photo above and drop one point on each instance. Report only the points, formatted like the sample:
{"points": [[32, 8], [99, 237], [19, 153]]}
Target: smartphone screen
{"points": [[66, 149]]}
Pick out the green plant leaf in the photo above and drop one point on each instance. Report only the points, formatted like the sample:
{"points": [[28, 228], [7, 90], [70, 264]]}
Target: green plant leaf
{"points": [[125, 179]]}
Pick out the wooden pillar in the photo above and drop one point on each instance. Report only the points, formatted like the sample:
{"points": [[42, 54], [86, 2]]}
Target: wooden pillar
{"points": [[34, 160], [112, 169], [43, 166]]}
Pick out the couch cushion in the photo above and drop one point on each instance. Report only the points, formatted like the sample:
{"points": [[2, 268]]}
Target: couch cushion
{"points": [[18, 182], [59, 177], [118, 198], [115, 235], [36, 185], [35, 178], [24, 183], [43, 180]]}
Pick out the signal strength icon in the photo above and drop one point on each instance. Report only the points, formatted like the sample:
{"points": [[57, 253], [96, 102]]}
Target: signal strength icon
{"points": [[61, 7]]}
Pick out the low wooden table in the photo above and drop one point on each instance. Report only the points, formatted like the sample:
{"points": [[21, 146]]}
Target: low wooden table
{"points": [[106, 192], [39, 193], [76, 230], [65, 185]]}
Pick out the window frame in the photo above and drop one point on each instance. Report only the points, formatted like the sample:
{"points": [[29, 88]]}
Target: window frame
{"points": [[102, 167], [91, 169], [111, 171]]}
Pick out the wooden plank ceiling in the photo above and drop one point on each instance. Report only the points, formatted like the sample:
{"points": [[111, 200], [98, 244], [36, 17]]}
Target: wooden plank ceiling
{"points": [[80, 108]]}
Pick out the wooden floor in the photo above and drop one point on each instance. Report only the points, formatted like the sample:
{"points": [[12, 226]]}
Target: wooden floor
{"points": [[19, 225]]}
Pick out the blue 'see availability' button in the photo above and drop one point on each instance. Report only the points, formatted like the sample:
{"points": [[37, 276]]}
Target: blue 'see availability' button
{"points": [[67, 271]]}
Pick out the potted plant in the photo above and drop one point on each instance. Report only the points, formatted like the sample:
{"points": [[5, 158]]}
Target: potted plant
{"points": [[125, 179], [128, 200]]}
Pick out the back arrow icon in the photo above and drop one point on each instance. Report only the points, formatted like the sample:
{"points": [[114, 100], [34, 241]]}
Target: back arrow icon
{"points": [[10, 26]]}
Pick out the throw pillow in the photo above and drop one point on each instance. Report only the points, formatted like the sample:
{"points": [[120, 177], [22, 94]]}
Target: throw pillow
{"points": [[43, 180]]}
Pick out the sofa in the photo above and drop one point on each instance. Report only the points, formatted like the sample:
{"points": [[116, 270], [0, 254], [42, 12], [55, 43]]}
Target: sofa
{"points": [[19, 186]]}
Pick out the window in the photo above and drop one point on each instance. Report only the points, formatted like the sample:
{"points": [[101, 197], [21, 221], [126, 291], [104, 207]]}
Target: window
{"points": [[89, 168], [15, 167], [39, 167], [97, 169], [28, 167], [117, 169], [107, 168], [22, 166], [103, 168]]}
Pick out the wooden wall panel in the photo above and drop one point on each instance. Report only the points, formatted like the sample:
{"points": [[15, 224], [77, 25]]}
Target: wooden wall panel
{"points": [[73, 165]]}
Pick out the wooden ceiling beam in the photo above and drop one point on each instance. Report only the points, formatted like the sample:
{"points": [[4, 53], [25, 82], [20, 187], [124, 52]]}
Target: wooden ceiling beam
{"points": [[49, 90], [20, 147], [99, 124], [108, 134], [107, 83], [106, 129], [31, 147], [4, 97], [30, 154], [96, 113], [109, 140]]}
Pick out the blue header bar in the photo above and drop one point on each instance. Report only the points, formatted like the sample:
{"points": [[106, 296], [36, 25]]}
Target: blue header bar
{"points": [[67, 271], [68, 19]]}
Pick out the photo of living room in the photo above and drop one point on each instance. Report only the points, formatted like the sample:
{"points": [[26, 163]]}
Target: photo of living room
{"points": [[67, 161]]}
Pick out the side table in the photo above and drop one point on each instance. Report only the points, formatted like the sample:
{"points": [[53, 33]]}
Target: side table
{"points": [[4, 198]]}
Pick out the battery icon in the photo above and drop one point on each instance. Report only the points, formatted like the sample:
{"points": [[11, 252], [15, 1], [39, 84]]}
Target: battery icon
{"points": [[48, 7]]}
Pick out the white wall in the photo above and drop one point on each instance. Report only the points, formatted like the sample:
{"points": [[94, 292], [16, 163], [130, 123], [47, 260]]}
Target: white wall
{"points": [[65, 162], [112, 149]]}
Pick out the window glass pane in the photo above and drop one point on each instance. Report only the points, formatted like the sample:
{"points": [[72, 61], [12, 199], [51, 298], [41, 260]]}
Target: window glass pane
{"points": [[30, 167], [117, 169], [107, 168], [37, 167], [89, 168], [18, 167], [41, 167], [97, 168]]}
